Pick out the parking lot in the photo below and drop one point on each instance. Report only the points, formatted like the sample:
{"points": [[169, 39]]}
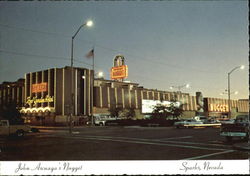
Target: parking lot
{"points": [[120, 143]]}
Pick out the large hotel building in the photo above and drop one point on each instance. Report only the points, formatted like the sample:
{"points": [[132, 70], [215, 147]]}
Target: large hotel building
{"points": [[45, 97]]}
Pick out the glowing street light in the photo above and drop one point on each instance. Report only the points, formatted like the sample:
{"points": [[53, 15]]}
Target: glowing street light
{"points": [[242, 67], [89, 23], [232, 93], [100, 74], [180, 87]]}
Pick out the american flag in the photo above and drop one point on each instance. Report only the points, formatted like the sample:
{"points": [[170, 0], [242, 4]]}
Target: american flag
{"points": [[90, 54]]}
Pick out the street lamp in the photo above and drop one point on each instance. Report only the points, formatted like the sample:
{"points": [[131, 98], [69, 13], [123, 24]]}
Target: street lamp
{"points": [[88, 24], [100, 75], [229, 93], [180, 87], [226, 93]]}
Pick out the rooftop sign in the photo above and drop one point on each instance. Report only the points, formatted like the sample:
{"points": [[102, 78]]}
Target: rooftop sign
{"points": [[41, 87], [119, 72]]}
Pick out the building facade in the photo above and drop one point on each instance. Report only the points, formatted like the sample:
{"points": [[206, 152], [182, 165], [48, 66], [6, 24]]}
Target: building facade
{"points": [[45, 97], [109, 94], [48, 97], [12, 93], [218, 107]]}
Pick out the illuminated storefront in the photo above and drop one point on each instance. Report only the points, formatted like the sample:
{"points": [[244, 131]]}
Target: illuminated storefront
{"points": [[48, 99], [218, 107]]}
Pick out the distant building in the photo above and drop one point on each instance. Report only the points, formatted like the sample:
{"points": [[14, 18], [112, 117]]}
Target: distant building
{"points": [[12, 93], [109, 93], [218, 107]]}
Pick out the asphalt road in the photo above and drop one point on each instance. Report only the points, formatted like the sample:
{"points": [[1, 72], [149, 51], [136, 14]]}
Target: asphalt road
{"points": [[120, 143]]}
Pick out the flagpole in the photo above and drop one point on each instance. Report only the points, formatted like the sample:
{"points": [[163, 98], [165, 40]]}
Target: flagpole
{"points": [[92, 95]]}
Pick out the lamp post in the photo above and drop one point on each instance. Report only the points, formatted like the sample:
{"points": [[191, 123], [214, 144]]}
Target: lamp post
{"points": [[89, 24], [179, 88], [226, 93], [228, 88]]}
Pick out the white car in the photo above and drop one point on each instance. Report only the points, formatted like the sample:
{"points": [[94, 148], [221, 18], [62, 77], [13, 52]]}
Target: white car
{"points": [[101, 120], [187, 123], [17, 129]]}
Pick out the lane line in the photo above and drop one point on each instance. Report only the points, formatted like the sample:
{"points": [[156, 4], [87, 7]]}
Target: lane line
{"points": [[212, 154], [183, 137], [196, 143], [146, 140], [152, 143], [157, 140]]}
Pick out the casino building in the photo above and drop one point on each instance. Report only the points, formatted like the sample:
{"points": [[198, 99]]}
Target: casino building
{"points": [[44, 97], [47, 95]]}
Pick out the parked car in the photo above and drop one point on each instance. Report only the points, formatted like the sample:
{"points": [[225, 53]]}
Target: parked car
{"points": [[101, 120], [239, 128], [211, 120], [187, 123], [7, 129], [227, 121], [200, 118]]}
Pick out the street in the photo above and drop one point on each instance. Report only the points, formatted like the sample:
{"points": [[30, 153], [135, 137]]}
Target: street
{"points": [[120, 143]]}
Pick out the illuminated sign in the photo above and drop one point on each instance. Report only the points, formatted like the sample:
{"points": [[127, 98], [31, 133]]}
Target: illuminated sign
{"points": [[41, 87], [40, 109], [218, 107], [119, 72], [148, 105], [35, 100]]}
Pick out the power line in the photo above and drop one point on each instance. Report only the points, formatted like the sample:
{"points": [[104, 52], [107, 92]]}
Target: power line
{"points": [[31, 30], [42, 32], [63, 58], [43, 56], [152, 60]]}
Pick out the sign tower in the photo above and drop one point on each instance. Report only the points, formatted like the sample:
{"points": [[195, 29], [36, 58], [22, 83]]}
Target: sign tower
{"points": [[119, 71]]}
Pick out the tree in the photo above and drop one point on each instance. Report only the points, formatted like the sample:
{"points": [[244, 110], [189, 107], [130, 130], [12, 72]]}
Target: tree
{"points": [[174, 110], [130, 112], [11, 112], [115, 111], [162, 111]]}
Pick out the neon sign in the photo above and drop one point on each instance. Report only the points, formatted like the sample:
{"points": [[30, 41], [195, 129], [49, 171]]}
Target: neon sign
{"points": [[41, 87], [219, 107], [36, 100], [119, 72]]}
